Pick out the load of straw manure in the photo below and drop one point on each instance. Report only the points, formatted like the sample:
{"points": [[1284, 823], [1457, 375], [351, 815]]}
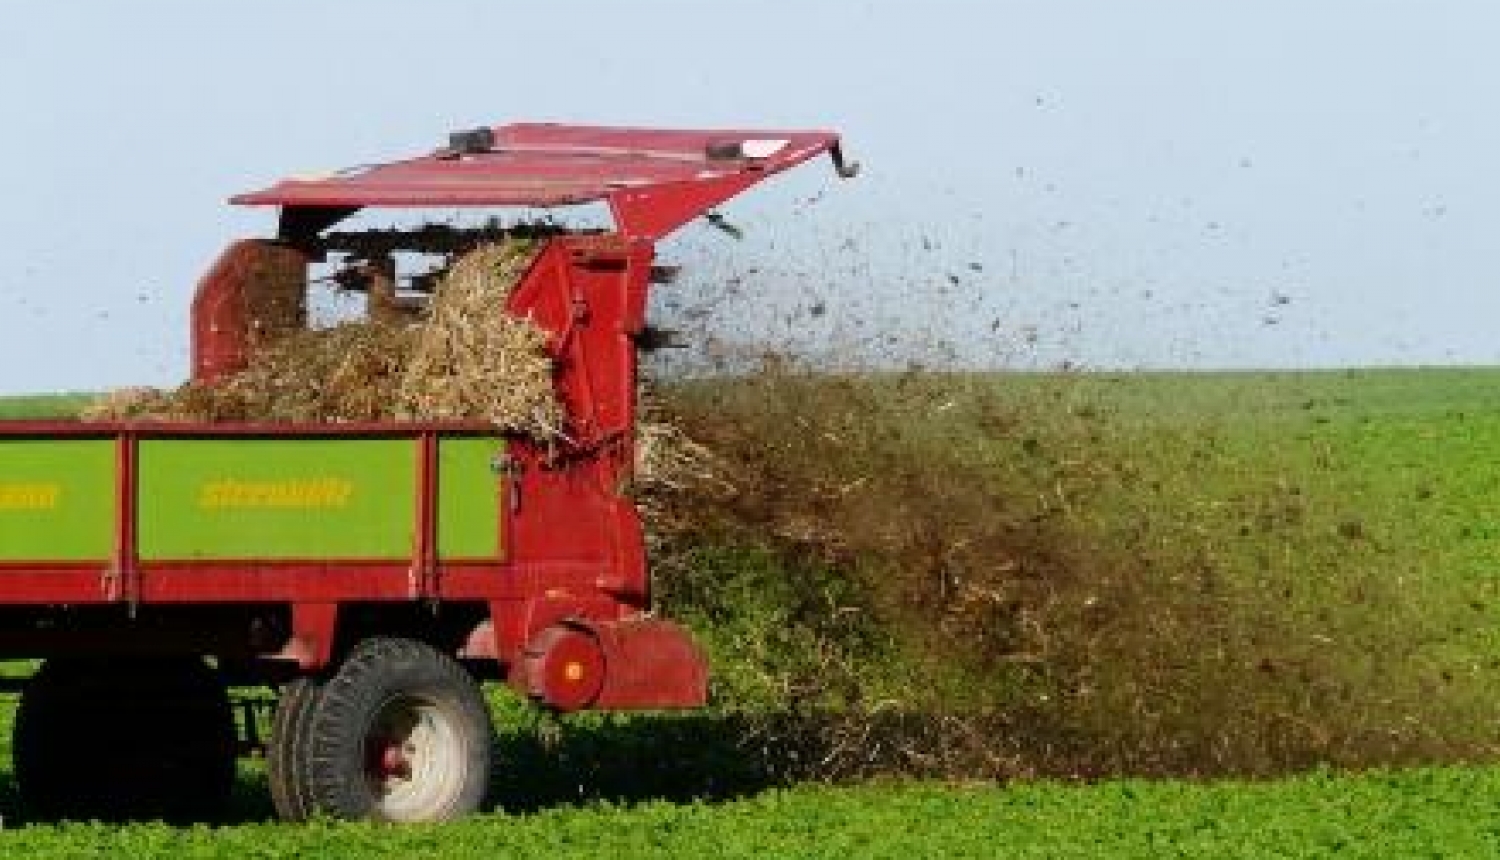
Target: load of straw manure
{"points": [[465, 359]]}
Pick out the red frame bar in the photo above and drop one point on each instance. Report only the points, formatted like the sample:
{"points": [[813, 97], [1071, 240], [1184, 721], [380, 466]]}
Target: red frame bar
{"points": [[198, 429], [120, 577], [424, 565]]}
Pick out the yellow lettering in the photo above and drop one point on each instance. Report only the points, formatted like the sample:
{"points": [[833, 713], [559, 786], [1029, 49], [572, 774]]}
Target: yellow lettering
{"points": [[308, 494], [30, 497]]}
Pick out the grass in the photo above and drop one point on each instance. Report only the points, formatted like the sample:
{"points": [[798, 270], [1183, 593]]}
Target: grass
{"points": [[1288, 575], [43, 405], [1446, 812]]}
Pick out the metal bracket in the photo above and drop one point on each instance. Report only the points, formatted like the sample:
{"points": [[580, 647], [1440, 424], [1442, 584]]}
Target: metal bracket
{"points": [[109, 583], [511, 469], [845, 169]]}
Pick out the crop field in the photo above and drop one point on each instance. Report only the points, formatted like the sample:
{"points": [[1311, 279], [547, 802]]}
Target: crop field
{"points": [[1419, 813], [1212, 615], [42, 405]]}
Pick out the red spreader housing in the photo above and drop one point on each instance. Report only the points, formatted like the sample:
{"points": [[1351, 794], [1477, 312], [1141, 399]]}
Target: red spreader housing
{"points": [[287, 552]]}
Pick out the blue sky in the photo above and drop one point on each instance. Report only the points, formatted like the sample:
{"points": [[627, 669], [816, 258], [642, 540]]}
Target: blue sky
{"points": [[1162, 183]]}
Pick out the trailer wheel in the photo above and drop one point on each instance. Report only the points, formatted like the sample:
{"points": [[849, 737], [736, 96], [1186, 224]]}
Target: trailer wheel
{"points": [[401, 733], [150, 739], [291, 791]]}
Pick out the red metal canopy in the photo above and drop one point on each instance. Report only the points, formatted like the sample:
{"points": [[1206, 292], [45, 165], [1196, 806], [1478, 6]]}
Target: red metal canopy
{"points": [[654, 180]]}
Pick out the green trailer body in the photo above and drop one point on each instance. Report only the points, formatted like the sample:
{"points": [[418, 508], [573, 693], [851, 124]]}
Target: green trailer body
{"points": [[271, 499], [57, 500]]}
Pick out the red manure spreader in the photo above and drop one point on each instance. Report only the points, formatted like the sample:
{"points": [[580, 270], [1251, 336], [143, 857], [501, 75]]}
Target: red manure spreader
{"points": [[373, 574]]}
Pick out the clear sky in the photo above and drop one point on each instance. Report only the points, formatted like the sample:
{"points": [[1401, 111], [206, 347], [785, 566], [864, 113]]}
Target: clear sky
{"points": [[1158, 183]]}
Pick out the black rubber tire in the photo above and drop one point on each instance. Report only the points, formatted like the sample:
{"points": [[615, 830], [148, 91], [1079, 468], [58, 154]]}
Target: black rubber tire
{"points": [[109, 740], [385, 676], [286, 754]]}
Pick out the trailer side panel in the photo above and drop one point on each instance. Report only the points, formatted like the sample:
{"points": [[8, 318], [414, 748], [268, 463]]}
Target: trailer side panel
{"points": [[468, 498], [57, 500], [267, 499]]}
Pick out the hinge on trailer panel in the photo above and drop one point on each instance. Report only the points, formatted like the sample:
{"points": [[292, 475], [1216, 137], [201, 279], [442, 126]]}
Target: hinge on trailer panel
{"points": [[114, 586], [422, 580], [511, 469]]}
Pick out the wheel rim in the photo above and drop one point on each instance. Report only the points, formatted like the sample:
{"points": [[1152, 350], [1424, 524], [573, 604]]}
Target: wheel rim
{"points": [[414, 759]]}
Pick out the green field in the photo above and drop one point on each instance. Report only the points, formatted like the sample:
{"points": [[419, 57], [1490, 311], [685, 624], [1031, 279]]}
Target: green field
{"points": [[1281, 586], [43, 405], [1419, 813]]}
